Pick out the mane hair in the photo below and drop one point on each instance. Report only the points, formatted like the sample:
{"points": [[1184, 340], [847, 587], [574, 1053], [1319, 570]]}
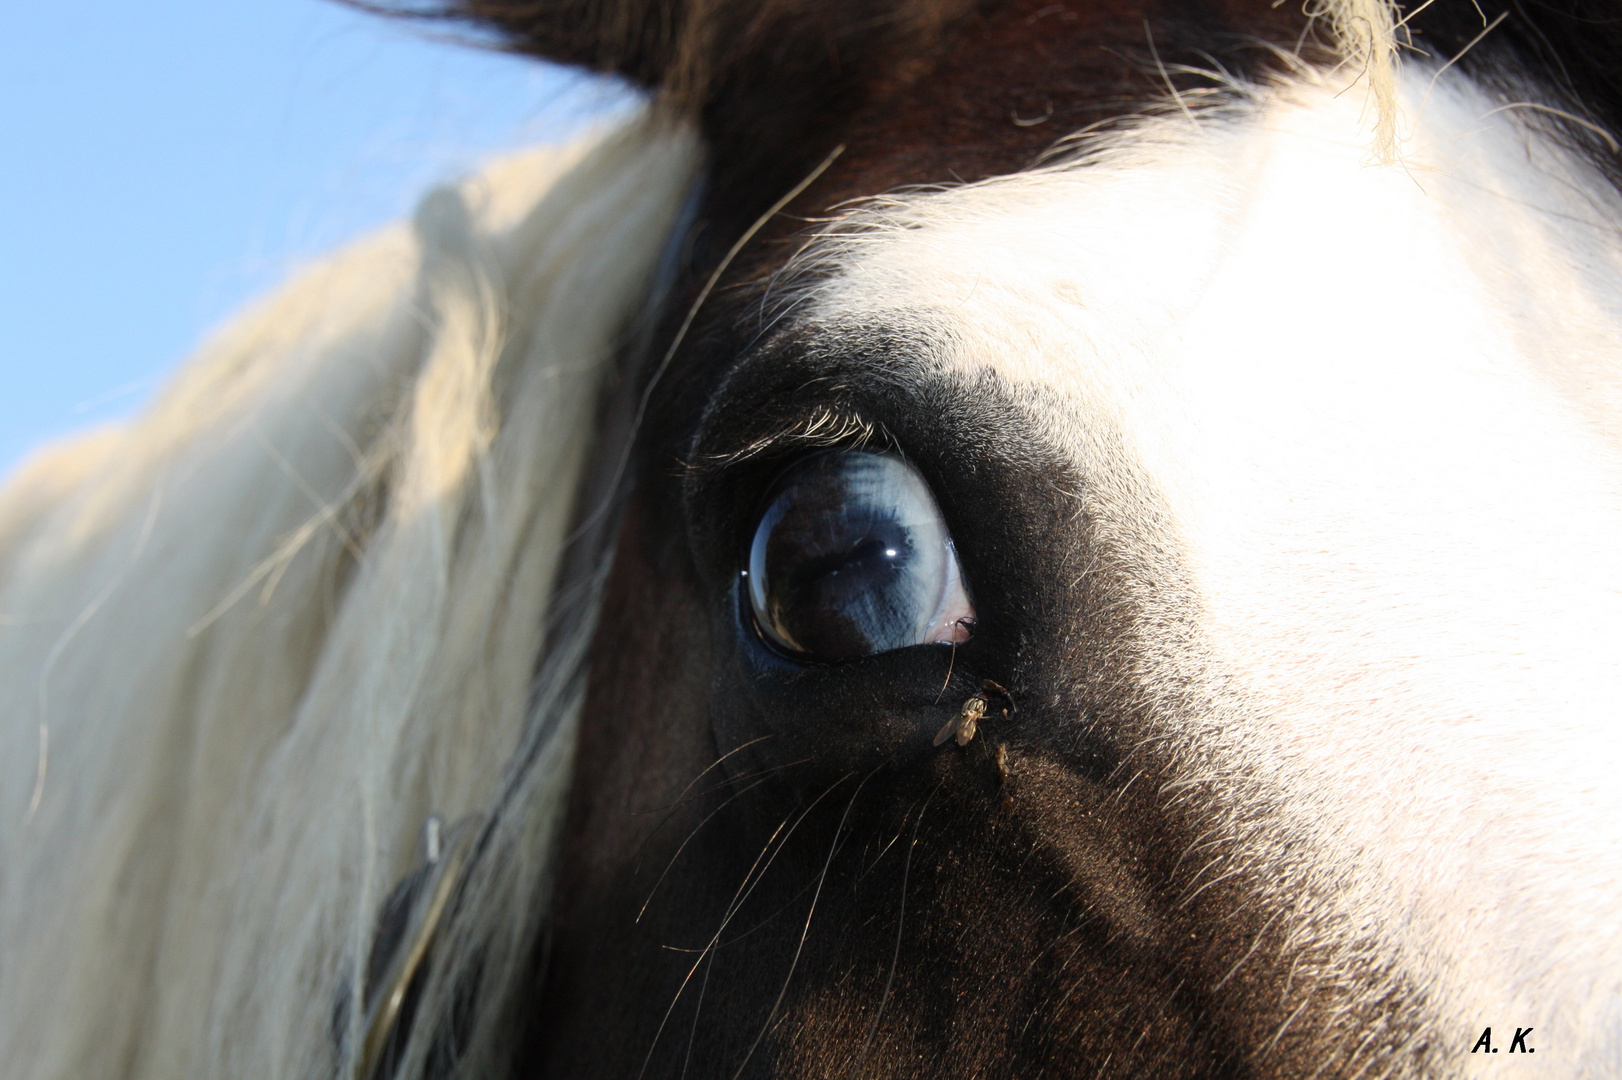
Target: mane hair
{"points": [[251, 640]]}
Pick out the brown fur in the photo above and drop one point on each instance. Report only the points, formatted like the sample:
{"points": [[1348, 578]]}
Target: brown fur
{"points": [[920, 91]]}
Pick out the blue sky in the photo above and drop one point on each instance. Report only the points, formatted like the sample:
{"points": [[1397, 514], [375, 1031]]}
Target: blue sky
{"points": [[161, 162]]}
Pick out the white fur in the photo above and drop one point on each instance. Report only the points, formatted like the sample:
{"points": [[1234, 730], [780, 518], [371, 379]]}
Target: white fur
{"points": [[252, 639], [1382, 408]]}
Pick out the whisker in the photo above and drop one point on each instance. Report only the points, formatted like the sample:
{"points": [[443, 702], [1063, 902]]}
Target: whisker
{"points": [[767, 920], [892, 841], [948, 680], [671, 811], [698, 1009], [696, 829], [805, 930], [900, 924], [663, 365], [756, 874], [741, 777], [717, 763], [706, 950]]}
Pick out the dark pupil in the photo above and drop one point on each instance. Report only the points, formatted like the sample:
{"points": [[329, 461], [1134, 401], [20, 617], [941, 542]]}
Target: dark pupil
{"points": [[839, 554]]}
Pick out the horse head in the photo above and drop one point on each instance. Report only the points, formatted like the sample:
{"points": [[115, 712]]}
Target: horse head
{"points": [[1092, 553]]}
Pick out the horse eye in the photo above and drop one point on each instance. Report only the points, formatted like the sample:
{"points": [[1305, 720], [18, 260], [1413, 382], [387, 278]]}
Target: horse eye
{"points": [[852, 558]]}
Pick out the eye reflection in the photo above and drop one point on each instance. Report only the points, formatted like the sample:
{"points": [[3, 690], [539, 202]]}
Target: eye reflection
{"points": [[853, 558]]}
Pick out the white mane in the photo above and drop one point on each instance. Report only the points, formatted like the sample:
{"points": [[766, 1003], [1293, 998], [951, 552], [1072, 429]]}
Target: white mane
{"points": [[252, 639]]}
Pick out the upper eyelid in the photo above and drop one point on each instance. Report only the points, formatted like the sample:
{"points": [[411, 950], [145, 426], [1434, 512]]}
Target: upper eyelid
{"points": [[824, 427]]}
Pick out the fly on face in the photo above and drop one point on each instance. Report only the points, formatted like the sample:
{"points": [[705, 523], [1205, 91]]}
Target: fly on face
{"points": [[967, 721]]}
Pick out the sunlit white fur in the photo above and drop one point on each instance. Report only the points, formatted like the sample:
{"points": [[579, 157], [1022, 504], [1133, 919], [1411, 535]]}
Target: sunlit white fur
{"points": [[1380, 409], [250, 640]]}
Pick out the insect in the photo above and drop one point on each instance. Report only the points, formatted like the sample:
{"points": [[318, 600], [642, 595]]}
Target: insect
{"points": [[967, 721]]}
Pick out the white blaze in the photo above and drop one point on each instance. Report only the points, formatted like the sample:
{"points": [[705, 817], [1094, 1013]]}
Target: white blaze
{"points": [[1382, 405]]}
